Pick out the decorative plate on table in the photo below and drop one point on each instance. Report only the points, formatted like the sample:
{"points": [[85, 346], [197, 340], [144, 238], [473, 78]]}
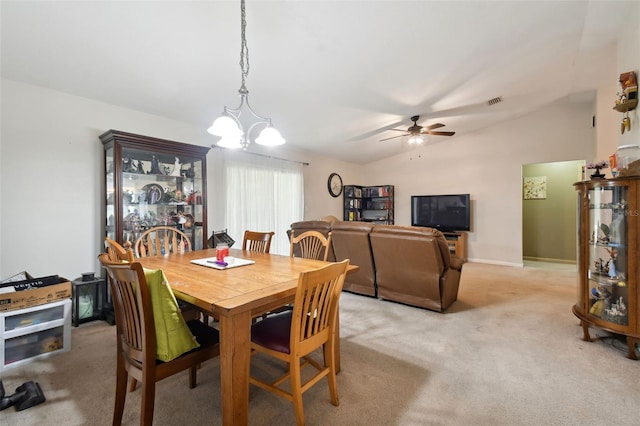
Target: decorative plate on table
{"points": [[154, 193]]}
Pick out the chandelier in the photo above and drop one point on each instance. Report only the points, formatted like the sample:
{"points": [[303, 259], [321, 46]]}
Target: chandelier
{"points": [[228, 125]]}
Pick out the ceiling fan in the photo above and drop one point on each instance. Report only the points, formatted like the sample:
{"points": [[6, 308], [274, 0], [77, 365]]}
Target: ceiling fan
{"points": [[415, 132]]}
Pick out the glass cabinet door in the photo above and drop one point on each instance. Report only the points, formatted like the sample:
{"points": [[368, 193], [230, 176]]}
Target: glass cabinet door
{"points": [[110, 188], [608, 254], [161, 190]]}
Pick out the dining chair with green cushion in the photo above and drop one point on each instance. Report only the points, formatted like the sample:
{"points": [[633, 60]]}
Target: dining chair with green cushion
{"points": [[310, 245], [147, 316], [294, 335], [259, 242], [166, 240], [117, 253]]}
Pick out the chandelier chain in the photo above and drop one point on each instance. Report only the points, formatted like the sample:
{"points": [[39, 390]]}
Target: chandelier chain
{"points": [[228, 126], [244, 50]]}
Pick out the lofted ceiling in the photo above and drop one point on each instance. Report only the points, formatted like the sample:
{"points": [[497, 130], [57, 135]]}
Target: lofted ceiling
{"points": [[333, 75]]}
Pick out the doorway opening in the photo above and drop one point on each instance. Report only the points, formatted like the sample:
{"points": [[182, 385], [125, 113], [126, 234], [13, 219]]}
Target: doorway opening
{"points": [[549, 228]]}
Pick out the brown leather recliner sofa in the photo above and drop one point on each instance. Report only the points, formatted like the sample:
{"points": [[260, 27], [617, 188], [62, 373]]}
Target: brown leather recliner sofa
{"points": [[414, 266], [350, 240], [407, 264]]}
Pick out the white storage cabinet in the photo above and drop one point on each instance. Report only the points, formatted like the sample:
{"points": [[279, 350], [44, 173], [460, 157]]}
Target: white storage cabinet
{"points": [[33, 333]]}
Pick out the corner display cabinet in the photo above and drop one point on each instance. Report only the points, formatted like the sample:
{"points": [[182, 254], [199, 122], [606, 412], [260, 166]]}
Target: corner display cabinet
{"points": [[608, 258], [154, 182]]}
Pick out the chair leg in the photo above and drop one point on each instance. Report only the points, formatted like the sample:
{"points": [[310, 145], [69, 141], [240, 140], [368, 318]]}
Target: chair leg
{"points": [[121, 392], [148, 400], [193, 377], [330, 356], [296, 391]]}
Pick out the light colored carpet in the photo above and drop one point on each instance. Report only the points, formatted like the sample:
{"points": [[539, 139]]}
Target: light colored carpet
{"points": [[508, 352]]}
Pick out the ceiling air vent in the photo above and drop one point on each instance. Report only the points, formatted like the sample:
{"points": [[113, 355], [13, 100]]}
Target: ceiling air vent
{"points": [[494, 101]]}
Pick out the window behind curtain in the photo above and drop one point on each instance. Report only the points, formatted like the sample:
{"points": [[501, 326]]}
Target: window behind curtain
{"points": [[262, 194]]}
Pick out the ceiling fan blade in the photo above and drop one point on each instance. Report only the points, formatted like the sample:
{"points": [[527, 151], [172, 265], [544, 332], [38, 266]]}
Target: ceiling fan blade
{"points": [[441, 133], [398, 130], [393, 137], [434, 126], [377, 131]]}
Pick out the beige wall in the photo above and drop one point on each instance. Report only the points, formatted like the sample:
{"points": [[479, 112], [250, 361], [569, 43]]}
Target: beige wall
{"points": [[629, 60]]}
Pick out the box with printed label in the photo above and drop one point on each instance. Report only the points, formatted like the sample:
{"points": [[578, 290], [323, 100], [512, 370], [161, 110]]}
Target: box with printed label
{"points": [[11, 298]]}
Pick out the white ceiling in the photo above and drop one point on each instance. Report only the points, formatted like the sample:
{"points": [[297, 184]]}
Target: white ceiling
{"points": [[331, 74]]}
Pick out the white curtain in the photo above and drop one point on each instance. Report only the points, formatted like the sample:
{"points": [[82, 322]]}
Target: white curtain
{"points": [[262, 194]]}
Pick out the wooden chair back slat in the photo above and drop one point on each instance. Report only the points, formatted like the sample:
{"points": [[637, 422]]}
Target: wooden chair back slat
{"points": [[315, 303], [118, 253], [259, 242], [311, 244], [160, 241]]}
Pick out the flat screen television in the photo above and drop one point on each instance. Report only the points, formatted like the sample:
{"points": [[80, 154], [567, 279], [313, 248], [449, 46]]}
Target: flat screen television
{"points": [[446, 213]]}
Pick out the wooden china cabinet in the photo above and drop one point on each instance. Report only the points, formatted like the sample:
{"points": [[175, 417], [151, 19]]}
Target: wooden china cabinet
{"points": [[152, 182], [609, 258]]}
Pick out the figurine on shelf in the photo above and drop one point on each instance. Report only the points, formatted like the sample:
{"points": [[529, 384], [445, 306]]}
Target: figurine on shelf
{"points": [[189, 221], [177, 166], [616, 312], [127, 165], [612, 269], [598, 264], [601, 299], [190, 172], [140, 168], [597, 166], [611, 264], [155, 166], [606, 231], [181, 219], [627, 87]]}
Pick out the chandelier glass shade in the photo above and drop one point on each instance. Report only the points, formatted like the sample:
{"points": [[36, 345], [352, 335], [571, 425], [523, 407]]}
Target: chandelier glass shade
{"points": [[228, 126]]}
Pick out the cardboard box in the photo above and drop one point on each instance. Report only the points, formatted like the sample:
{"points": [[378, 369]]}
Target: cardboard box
{"points": [[35, 296], [20, 276]]}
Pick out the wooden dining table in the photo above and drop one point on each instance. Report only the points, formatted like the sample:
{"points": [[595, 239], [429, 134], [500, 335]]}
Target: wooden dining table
{"points": [[234, 296]]}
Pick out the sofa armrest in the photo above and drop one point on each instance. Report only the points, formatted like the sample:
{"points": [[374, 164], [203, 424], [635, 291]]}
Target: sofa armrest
{"points": [[456, 262]]}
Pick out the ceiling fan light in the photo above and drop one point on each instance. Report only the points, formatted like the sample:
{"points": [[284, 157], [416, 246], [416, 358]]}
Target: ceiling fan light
{"points": [[225, 126], [230, 142], [416, 140], [270, 136]]}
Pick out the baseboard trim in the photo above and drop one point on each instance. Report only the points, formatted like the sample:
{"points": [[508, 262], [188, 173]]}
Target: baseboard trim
{"points": [[545, 259], [497, 262]]}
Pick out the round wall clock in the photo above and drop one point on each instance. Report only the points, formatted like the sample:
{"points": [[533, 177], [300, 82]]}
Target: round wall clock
{"points": [[334, 184]]}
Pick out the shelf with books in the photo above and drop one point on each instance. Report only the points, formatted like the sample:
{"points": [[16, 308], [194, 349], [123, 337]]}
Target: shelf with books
{"points": [[369, 203]]}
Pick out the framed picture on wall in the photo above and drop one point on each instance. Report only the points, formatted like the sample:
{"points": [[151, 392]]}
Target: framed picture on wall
{"points": [[535, 188]]}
